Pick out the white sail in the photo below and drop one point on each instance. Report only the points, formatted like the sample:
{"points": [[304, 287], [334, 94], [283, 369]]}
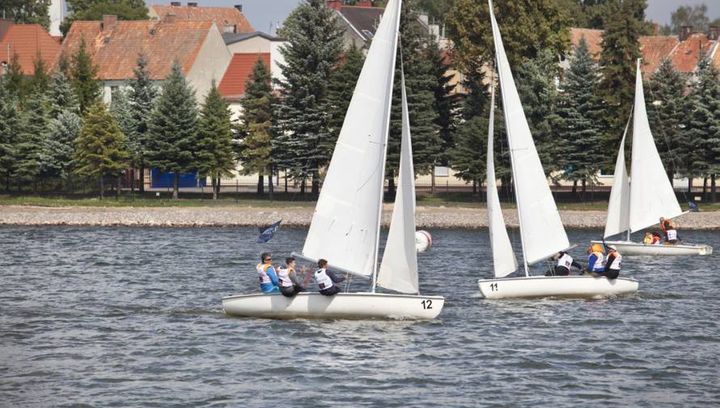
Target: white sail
{"points": [[398, 270], [504, 260], [651, 194], [345, 226], [618, 217], [541, 229]]}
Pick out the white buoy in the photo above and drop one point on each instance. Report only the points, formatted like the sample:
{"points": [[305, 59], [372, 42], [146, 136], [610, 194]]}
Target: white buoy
{"points": [[423, 240]]}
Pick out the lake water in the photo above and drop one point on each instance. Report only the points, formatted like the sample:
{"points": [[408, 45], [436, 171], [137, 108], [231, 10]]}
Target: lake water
{"points": [[118, 317]]}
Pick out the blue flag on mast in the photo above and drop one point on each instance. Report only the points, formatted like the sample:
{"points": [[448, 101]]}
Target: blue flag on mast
{"points": [[266, 233]]}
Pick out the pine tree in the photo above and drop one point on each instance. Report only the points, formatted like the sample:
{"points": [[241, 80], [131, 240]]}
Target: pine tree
{"points": [[255, 144], [620, 50], [121, 110], [61, 94], [84, 78], [40, 80], [143, 97], [215, 147], [580, 152], [448, 105], [63, 129], [173, 128], [469, 153], [32, 135], [665, 96], [315, 41], [100, 149], [341, 88], [15, 81], [9, 127]]}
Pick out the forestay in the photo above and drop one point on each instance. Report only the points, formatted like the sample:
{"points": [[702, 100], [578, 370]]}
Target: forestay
{"points": [[652, 195], [398, 270], [541, 229], [618, 217], [345, 225], [504, 260]]}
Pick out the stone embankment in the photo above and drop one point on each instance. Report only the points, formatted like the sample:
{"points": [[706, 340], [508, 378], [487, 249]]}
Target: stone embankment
{"points": [[427, 217]]}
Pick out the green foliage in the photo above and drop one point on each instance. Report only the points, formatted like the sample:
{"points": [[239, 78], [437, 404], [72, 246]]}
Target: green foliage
{"points": [[142, 96], [215, 145], [527, 28], [33, 132], [61, 94], [448, 107], [15, 81], [580, 152], [100, 149], [9, 127], [694, 16], [666, 107], [315, 41], [341, 87], [255, 141], [27, 11], [174, 127], [94, 10], [58, 149], [40, 80], [121, 110], [83, 73], [470, 150]]}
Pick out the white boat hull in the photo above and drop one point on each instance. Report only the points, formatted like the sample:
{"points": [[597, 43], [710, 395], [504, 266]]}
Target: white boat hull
{"points": [[638, 248], [583, 286], [341, 306]]}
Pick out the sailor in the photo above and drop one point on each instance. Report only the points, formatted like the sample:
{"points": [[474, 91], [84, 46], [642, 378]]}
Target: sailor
{"points": [[671, 235], [266, 274], [327, 280], [564, 264], [648, 239], [612, 266], [596, 258], [290, 285]]}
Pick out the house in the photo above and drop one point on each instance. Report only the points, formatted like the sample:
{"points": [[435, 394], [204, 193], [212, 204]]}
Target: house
{"points": [[115, 46], [359, 21], [683, 50], [228, 19], [28, 41]]}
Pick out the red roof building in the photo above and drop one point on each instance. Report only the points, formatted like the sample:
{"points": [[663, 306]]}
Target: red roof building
{"points": [[28, 41], [228, 19], [232, 86]]}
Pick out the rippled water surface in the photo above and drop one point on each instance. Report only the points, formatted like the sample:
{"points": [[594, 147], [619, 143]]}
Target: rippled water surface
{"points": [[132, 317]]}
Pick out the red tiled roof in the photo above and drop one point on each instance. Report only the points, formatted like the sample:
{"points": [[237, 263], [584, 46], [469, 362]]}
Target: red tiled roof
{"points": [[115, 49], [592, 37], [241, 66], [28, 41], [687, 54], [654, 49], [222, 16]]}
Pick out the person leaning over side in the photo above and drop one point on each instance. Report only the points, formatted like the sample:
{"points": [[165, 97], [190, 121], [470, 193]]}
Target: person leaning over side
{"points": [[267, 275], [596, 258], [564, 264], [327, 280], [669, 231], [612, 266], [290, 285]]}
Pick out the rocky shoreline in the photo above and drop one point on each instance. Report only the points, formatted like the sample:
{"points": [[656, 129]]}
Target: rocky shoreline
{"points": [[427, 217]]}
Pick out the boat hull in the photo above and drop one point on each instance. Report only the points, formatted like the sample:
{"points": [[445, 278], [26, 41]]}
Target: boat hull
{"points": [[341, 306], [583, 286], [638, 248]]}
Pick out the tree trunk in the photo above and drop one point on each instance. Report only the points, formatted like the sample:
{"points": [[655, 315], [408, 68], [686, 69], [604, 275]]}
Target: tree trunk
{"points": [[584, 186], [432, 181], [574, 189], [302, 187], [315, 183], [213, 181], [142, 178], [132, 181], [271, 188], [176, 185], [705, 180], [218, 183], [475, 187], [102, 188], [117, 190], [713, 189], [286, 182], [391, 185], [261, 183], [690, 180]]}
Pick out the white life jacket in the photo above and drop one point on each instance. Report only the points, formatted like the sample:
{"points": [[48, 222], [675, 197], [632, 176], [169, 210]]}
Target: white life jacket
{"points": [[616, 262], [599, 264], [565, 261], [323, 280], [284, 277], [262, 273], [671, 234]]}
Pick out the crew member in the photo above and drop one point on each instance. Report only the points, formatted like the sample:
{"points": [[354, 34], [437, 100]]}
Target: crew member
{"points": [[668, 229], [596, 258], [612, 266], [327, 280], [564, 264], [290, 285], [266, 274]]}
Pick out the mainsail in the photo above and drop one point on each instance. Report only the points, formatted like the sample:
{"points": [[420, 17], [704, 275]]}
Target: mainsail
{"points": [[651, 194], [345, 226], [504, 260], [618, 217], [398, 270], [541, 229]]}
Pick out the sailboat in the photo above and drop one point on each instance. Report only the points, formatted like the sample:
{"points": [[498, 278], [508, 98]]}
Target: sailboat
{"points": [[541, 231], [345, 228], [639, 202]]}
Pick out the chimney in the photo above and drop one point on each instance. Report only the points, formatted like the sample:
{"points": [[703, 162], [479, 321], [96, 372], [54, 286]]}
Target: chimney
{"points": [[175, 3], [192, 4], [334, 4], [239, 7], [685, 32], [364, 3], [108, 21], [170, 18], [713, 33]]}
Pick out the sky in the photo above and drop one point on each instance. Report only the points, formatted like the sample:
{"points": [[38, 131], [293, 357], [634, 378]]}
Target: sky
{"points": [[263, 13]]}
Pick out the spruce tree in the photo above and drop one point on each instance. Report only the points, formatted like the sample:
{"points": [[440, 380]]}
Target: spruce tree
{"points": [[665, 99], [470, 151], [33, 132], [9, 127], [255, 144], [40, 80], [100, 149], [143, 97], [448, 106], [84, 78], [580, 150], [15, 80], [215, 146], [341, 88], [61, 94], [315, 41], [173, 128], [63, 129]]}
